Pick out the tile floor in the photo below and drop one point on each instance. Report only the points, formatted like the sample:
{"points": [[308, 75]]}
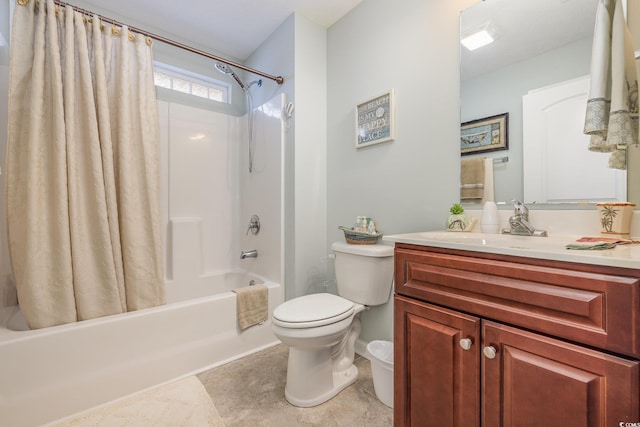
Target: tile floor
{"points": [[250, 392]]}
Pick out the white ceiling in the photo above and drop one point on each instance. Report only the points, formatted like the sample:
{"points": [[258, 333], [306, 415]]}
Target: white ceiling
{"points": [[232, 27], [235, 28], [527, 28]]}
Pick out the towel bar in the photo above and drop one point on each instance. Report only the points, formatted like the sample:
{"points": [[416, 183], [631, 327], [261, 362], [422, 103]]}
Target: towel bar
{"points": [[500, 160]]}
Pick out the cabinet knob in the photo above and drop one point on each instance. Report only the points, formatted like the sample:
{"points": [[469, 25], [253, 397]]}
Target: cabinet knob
{"points": [[490, 352], [466, 343]]}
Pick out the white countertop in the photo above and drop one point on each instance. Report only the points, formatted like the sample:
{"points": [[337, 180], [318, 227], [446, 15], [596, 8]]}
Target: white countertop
{"points": [[551, 248]]}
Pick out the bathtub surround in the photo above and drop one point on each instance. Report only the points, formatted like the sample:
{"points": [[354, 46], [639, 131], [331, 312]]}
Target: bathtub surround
{"points": [[208, 194], [82, 169]]}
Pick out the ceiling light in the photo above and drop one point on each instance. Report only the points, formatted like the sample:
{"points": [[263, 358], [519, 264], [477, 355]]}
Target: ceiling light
{"points": [[479, 36]]}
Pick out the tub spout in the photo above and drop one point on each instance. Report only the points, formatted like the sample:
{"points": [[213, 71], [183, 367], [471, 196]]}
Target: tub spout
{"points": [[249, 254]]}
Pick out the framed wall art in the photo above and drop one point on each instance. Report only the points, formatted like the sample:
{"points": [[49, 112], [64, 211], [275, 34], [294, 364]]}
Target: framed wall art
{"points": [[374, 120], [483, 135]]}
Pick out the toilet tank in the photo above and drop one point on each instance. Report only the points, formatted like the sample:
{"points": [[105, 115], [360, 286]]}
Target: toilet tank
{"points": [[364, 273]]}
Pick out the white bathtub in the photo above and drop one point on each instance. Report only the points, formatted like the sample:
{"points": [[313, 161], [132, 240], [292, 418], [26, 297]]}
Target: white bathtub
{"points": [[54, 372]]}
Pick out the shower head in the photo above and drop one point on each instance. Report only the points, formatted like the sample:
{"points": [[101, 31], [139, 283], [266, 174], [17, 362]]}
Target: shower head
{"points": [[226, 69], [223, 68]]}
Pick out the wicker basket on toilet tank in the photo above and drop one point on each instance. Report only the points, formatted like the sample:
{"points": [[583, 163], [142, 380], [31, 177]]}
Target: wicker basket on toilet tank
{"points": [[359, 238]]}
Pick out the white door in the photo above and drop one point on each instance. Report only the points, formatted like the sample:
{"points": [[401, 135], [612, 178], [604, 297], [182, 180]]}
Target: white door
{"points": [[557, 165]]}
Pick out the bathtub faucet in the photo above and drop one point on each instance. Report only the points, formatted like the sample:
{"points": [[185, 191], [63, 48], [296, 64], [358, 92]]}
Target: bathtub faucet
{"points": [[249, 254]]}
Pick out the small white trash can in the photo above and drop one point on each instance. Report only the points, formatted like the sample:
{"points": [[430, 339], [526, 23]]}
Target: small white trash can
{"points": [[381, 356]]}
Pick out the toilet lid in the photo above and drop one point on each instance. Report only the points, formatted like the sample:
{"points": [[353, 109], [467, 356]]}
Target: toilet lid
{"points": [[314, 308]]}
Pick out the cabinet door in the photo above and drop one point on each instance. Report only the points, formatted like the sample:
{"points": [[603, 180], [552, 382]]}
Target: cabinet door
{"points": [[436, 379], [538, 381]]}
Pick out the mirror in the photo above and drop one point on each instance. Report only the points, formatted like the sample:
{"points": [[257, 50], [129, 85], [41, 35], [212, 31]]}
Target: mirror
{"points": [[539, 44]]}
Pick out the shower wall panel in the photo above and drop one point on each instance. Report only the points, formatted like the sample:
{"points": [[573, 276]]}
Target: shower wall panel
{"points": [[262, 190], [208, 194], [201, 190]]}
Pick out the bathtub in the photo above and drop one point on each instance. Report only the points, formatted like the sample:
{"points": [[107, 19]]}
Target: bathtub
{"points": [[51, 373]]}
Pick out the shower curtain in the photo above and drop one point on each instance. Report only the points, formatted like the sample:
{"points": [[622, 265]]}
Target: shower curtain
{"points": [[82, 167]]}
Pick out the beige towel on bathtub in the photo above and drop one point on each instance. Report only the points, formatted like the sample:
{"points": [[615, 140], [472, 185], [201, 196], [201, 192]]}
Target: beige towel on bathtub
{"points": [[253, 305]]}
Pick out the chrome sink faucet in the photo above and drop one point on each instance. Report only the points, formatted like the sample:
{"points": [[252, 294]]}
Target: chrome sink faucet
{"points": [[519, 222]]}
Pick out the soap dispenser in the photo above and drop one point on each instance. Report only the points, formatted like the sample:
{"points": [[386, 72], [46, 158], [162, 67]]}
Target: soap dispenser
{"points": [[490, 222]]}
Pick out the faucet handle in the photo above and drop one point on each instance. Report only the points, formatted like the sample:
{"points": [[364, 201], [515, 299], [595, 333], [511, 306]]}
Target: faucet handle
{"points": [[254, 225], [519, 207]]}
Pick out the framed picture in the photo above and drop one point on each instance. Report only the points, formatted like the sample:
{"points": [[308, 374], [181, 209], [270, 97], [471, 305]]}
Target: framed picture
{"points": [[374, 120], [483, 135]]}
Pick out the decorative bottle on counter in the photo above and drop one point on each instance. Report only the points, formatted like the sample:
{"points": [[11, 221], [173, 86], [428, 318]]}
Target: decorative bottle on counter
{"points": [[490, 222]]}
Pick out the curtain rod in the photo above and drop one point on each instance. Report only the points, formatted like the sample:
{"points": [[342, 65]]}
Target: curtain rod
{"points": [[277, 79]]}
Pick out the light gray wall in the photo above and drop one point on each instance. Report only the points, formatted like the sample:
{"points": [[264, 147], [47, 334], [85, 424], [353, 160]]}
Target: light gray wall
{"points": [[408, 184], [275, 56], [501, 91], [310, 188]]}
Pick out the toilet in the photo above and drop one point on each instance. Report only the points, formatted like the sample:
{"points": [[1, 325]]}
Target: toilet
{"points": [[321, 329]]}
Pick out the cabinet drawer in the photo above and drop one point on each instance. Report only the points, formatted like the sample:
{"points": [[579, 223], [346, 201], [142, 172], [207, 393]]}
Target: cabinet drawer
{"points": [[594, 306]]}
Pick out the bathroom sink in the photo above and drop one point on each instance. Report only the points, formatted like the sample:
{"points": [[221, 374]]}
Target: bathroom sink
{"points": [[498, 240]]}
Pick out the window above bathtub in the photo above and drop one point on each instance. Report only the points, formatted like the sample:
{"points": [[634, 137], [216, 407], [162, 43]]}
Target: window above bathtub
{"points": [[184, 81]]}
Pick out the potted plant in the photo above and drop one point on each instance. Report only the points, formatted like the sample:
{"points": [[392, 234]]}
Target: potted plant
{"points": [[457, 220]]}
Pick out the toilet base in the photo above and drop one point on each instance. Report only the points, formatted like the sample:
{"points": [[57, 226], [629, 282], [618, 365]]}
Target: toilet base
{"points": [[341, 380], [319, 367]]}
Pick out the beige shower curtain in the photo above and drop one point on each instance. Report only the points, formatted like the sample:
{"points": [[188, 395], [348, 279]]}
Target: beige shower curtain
{"points": [[82, 168]]}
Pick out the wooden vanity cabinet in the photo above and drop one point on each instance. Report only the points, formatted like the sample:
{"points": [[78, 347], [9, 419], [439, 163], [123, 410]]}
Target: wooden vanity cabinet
{"points": [[489, 340]]}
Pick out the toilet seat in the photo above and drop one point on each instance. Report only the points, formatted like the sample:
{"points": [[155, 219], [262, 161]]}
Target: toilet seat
{"points": [[312, 311]]}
